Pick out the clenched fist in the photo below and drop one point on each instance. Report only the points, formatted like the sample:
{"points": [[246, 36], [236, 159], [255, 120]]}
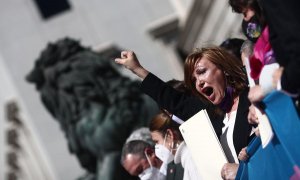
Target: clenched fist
{"points": [[129, 60]]}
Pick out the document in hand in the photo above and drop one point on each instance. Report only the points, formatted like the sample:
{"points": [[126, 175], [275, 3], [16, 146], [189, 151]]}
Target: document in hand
{"points": [[202, 142]]}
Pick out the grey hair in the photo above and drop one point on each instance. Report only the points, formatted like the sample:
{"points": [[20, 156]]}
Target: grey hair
{"points": [[136, 147], [143, 134], [247, 48]]}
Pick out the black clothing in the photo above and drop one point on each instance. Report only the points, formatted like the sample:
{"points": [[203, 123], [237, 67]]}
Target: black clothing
{"points": [[182, 105], [185, 106], [174, 171], [283, 18]]}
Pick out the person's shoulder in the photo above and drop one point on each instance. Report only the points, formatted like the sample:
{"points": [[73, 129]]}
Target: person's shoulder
{"points": [[243, 97], [179, 152]]}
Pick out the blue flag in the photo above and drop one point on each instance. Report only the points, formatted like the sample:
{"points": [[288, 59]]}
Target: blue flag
{"points": [[281, 158]]}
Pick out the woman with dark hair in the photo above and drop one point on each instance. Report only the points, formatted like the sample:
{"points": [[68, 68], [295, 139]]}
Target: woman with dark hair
{"points": [[254, 20], [276, 16]]}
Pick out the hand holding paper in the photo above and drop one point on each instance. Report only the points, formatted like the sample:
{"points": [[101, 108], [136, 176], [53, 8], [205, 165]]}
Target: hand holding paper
{"points": [[265, 129], [203, 143]]}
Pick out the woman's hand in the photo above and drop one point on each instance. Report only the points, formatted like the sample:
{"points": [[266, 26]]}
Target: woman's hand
{"points": [[129, 60], [256, 94], [252, 117], [267, 82], [243, 156], [277, 76], [229, 171]]}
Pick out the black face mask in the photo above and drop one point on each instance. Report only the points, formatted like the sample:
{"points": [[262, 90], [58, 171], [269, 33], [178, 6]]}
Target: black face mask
{"points": [[252, 29]]}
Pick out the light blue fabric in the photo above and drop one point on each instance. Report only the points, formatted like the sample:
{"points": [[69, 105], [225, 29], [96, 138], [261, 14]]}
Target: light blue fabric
{"points": [[282, 154]]}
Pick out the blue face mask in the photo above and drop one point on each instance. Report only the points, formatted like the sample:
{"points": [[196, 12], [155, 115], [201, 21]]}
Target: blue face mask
{"points": [[252, 29]]}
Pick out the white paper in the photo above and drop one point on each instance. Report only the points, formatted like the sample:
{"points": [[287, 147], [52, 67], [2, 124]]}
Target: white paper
{"points": [[264, 126], [265, 129], [202, 142], [266, 77]]}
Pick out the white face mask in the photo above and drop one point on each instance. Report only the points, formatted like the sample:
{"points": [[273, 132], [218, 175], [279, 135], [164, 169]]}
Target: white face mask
{"points": [[151, 173], [163, 153]]}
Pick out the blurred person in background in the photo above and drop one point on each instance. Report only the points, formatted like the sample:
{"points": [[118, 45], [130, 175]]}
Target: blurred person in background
{"points": [[138, 159], [170, 147]]}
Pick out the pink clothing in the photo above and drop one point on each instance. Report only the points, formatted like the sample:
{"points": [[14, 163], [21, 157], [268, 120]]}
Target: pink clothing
{"points": [[262, 54]]}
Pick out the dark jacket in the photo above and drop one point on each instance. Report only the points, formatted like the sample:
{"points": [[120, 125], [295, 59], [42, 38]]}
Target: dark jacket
{"points": [[283, 19], [185, 106], [174, 171]]}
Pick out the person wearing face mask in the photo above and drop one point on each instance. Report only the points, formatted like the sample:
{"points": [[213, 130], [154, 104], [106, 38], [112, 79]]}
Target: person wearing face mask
{"points": [[254, 21], [285, 43], [256, 29], [268, 61], [171, 148], [262, 61], [211, 74], [138, 159]]}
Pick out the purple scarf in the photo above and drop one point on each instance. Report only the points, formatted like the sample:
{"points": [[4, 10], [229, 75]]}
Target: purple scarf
{"points": [[227, 101]]}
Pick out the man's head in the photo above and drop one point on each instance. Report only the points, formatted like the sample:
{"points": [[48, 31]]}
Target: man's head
{"points": [[137, 156]]}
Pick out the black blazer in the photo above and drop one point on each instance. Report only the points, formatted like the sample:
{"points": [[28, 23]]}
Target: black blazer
{"points": [[174, 171], [242, 129], [185, 106]]}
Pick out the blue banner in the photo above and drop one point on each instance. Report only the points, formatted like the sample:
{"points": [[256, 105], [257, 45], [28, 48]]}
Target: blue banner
{"points": [[281, 158]]}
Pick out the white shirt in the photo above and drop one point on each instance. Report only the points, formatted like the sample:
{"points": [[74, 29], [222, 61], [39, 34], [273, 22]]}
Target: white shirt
{"points": [[229, 123], [184, 157]]}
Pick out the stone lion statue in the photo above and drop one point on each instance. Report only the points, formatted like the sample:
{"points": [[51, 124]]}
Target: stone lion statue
{"points": [[96, 106]]}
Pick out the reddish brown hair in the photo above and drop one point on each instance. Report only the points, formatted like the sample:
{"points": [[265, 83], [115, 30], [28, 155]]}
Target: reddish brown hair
{"points": [[161, 122], [225, 61]]}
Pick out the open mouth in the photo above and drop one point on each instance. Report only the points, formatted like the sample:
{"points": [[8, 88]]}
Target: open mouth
{"points": [[207, 91]]}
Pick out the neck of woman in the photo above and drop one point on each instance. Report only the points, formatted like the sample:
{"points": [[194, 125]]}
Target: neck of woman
{"points": [[234, 106], [228, 100]]}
